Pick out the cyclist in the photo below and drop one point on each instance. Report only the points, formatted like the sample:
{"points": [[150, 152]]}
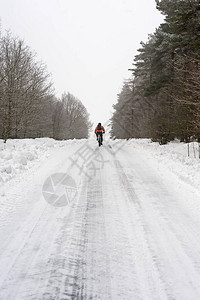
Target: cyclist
{"points": [[99, 130]]}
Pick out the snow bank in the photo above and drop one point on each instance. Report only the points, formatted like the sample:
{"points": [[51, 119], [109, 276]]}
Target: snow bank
{"points": [[174, 157], [17, 156]]}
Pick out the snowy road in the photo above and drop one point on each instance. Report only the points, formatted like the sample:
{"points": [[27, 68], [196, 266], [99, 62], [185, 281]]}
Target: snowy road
{"points": [[132, 233]]}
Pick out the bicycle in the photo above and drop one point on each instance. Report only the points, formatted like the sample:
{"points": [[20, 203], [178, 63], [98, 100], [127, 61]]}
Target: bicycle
{"points": [[99, 139]]}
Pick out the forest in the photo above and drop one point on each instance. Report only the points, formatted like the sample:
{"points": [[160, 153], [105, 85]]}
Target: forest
{"points": [[162, 99], [28, 105]]}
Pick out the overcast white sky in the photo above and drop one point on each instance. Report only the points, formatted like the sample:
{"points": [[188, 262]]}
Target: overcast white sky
{"points": [[87, 45]]}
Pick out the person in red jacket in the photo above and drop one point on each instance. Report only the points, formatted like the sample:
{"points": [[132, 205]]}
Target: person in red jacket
{"points": [[99, 130]]}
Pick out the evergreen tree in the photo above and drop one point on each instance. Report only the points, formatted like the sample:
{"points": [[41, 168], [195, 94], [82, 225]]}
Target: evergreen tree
{"points": [[166, 73]]}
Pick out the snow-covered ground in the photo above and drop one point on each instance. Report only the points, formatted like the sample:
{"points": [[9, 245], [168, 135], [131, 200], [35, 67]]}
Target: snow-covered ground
{"points": [[81, 222], [18, 156], [174, 157]]}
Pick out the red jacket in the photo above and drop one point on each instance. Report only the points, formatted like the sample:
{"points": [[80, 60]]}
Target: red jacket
{"points": [[102, 130]]}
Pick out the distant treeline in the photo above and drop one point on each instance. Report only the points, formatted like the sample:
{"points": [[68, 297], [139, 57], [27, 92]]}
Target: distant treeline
{"points": [[162, 102], [28, 106]]}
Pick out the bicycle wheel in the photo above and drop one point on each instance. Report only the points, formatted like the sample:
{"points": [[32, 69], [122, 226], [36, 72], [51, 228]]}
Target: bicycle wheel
{"points": [[99, 140]]}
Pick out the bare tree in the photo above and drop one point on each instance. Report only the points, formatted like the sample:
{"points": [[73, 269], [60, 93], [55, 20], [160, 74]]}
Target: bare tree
{"points": [[28, 107], [70, 118], [24, 85]]}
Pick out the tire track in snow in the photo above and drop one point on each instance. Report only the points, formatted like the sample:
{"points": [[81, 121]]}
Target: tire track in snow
{"points": [[155, 263], [79, 255], [30, 266], [158, 208], [10, 261], [66, 259], [97, 277], [24, 256]]}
